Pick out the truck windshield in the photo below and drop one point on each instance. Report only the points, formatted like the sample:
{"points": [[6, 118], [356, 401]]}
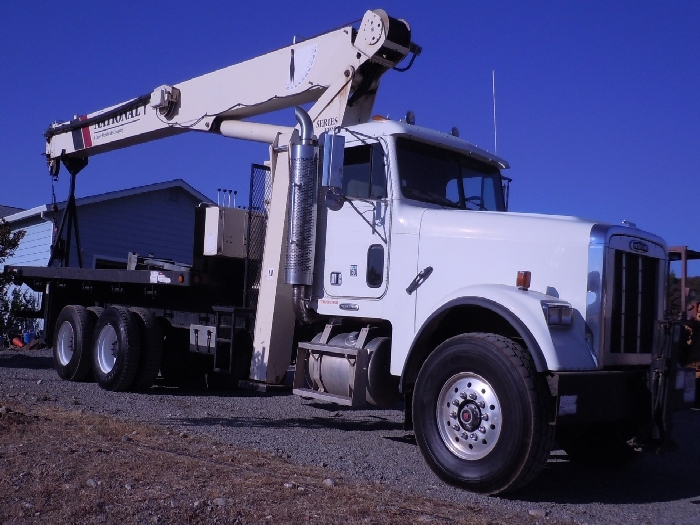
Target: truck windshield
{"points": [[447, 178]]}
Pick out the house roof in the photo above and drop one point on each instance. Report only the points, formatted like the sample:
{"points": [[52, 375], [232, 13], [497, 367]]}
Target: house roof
{"points": [[8, 210], [20, 214]]}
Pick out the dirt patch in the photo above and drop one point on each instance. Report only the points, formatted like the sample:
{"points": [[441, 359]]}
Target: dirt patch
{"points": [[72, 467]]}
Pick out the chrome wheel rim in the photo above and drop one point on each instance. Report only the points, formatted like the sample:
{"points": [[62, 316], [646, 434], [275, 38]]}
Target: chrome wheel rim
{"points": [[107, 348], [65, 343], [468, 416]]}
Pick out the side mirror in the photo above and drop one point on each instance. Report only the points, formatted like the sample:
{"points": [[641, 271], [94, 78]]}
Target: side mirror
{"points": [[332, 178]]}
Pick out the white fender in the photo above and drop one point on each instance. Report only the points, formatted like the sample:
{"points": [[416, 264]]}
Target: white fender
{"points": [[557, 348]]}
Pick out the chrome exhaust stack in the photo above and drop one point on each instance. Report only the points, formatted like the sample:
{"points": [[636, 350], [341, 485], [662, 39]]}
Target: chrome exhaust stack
{"points": [[303, 200]]}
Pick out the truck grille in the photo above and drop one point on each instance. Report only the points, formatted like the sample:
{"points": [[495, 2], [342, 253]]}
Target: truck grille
{"points": [[634, 304]]}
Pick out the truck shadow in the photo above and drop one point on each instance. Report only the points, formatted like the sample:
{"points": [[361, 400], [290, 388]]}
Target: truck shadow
{"points": [[671, 476], [368, 424], [25, 361], [667, 477]]}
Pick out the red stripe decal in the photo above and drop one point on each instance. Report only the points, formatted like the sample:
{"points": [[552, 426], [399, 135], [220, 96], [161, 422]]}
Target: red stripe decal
{"points": [[87, 139]]}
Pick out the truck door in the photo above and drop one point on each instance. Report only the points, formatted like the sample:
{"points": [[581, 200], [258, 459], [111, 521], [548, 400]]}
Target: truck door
{"points": [[356, 252]]}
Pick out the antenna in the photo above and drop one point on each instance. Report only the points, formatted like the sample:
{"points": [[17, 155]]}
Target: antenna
{"points": [[493, 90]]}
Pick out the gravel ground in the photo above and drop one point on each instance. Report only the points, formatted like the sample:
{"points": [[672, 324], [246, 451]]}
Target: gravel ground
{"points": [[370, 445]]}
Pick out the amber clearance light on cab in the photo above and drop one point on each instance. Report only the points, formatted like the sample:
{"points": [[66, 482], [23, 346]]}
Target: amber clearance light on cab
{"points": [[523, 280]]}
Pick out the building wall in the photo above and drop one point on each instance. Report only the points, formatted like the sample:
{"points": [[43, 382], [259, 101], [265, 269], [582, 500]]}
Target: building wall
{"points": [[35, 247], [158, 222], [34, 250]]}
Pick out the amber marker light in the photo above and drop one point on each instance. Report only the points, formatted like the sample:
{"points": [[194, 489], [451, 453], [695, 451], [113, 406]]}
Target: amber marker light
{"points": [[523, 280], [181, 278]]}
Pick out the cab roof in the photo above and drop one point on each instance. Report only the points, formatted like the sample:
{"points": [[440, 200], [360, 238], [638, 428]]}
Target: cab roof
{"points": [[385, 128]]}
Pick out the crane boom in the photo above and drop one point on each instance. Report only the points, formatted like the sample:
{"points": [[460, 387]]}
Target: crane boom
{"points": [[339, 71]]}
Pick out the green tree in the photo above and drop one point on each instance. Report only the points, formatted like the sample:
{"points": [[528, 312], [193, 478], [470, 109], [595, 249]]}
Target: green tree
{"points": [[12, 299]]}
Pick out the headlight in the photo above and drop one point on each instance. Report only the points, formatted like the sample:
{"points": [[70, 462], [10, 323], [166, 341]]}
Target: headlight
{"points": [[557, 313]]}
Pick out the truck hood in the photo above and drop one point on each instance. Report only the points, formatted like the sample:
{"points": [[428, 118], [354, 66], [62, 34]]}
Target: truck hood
{"points": [[471, 248]]}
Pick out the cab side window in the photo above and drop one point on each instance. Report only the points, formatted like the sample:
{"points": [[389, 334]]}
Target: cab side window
{"points": [[364, 172]]}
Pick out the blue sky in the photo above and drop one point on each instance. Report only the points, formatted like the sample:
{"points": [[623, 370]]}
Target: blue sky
{"points": [[598, 102]]}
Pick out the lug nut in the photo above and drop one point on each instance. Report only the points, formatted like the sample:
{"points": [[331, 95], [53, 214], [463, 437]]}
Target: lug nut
{"points": [[481, 404], [463, 395], [474, 437], [472, 396], [484, 417], [453, 415], [455, 427], [482, 430], [455, 403]]}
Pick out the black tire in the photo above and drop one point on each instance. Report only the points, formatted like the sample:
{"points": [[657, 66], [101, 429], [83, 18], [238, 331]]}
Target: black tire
{"points": [[96, 311], [116, 348], [481, 414], [72, 343], [603, 445], [151, 349]]}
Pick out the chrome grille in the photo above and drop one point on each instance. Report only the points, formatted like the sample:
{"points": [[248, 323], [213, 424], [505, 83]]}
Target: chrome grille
{"points": [[634, 303]]}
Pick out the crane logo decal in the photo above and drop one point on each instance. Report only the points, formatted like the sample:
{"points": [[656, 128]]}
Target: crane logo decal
{"points": [[81, 136], [300, 63], [102, 129], [115, 125]]}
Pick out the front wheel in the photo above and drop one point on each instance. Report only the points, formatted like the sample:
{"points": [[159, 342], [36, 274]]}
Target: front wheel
{"points": [[481, 414], [151, 352]]}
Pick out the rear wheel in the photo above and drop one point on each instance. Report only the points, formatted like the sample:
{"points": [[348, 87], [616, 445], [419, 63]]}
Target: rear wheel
{"points": [[72, 343], [151, 352], [95, 311], [116, 349], [481, 414]]}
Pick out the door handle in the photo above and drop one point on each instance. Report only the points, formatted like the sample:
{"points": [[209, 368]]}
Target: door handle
{"points": [[419, 279]]}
